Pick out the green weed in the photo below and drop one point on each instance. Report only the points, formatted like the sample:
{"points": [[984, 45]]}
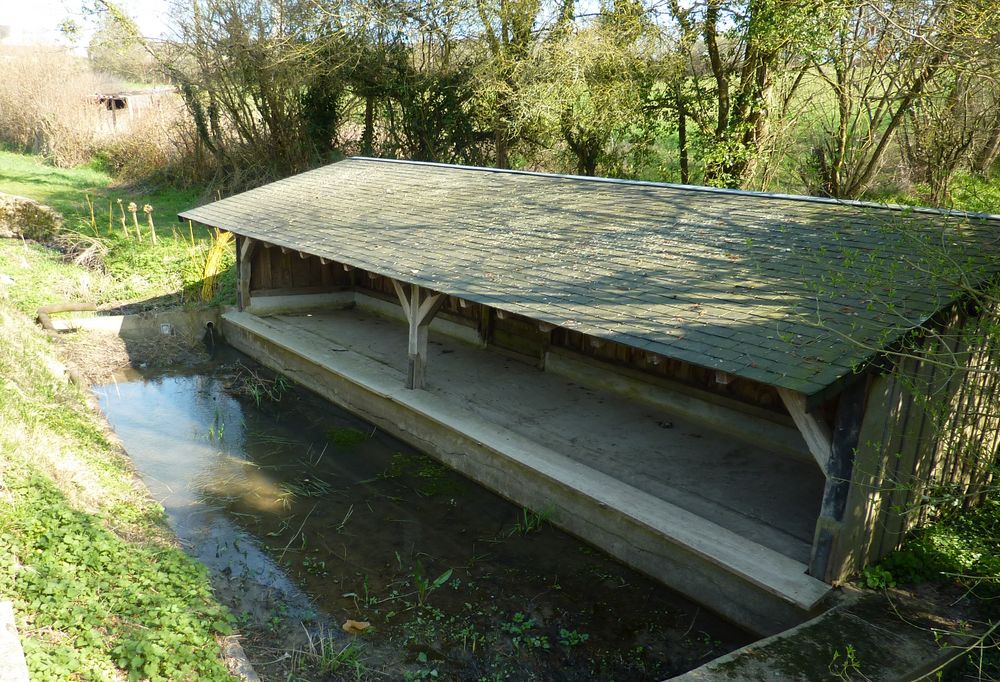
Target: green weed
{"points": [[572, 638], [346, 436], [425, 587], [520, 628], [323, 654], [529, 521], [89, 600]]}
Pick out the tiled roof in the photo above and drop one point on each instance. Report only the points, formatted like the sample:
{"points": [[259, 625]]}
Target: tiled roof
{"points": [[789, 291]]}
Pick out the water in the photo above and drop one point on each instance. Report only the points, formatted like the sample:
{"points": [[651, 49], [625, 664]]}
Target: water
{"points": [[307, 516]]}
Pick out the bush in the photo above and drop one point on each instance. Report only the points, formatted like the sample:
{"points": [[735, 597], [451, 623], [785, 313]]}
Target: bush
{"points": [[47, 104]]}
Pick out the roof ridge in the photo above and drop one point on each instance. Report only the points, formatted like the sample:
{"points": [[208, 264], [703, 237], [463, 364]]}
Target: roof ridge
{"points": [[927, 210]]}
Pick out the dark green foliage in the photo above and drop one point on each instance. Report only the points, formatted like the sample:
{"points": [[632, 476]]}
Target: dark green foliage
{"points": [[965, 548], [149, 606]]}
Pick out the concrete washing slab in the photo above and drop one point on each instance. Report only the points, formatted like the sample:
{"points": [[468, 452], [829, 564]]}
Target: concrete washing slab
{"points": [[720, 521]]}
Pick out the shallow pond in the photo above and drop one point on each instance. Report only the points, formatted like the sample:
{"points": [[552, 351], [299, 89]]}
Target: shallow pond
{"points": [[307, 516]]}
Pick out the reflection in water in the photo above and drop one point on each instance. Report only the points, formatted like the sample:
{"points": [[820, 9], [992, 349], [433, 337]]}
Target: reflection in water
{"points": [[187, 438], [307, 516]]}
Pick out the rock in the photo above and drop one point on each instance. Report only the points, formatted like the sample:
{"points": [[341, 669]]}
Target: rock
{"points": [[21, 217]]}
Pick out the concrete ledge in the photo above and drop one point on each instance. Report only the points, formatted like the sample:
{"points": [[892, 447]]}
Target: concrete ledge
{"points": [[895, 635], [13, 667], [745, 582], [147, 324]]}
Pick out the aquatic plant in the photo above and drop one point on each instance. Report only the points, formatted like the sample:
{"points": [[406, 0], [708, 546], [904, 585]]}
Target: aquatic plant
{"points": [[346, 436], [259, 387], [529, 521], [324, 654], [425, 587]]}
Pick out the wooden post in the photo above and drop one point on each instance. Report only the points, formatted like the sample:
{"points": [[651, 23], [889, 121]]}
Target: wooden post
{"points": [[420, 307], [485, 325], [245, 255], [840, 472], [546, 331]]}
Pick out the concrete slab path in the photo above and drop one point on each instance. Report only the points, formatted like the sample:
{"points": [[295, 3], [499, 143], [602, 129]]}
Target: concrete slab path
{"points": [[767, 498]]}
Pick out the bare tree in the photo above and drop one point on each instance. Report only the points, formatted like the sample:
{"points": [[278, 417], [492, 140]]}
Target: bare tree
{"points": [[880, 63]]}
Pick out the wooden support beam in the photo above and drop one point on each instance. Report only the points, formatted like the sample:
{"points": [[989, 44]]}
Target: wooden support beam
{"points": [[284, 249], [303, 255], [484, 325], [545, 327], [840, 473], [420, 306], [404, 297], [722, 377], [815, 432], [245, 258], [501, 315]]}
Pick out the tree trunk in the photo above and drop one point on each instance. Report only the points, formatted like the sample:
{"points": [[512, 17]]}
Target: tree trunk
{"points": [[682, 143], [986, 157], [368, 134]]}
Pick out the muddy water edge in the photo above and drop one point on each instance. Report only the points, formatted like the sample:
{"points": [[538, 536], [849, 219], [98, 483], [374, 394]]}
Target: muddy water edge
{"points": [[308, 517]]}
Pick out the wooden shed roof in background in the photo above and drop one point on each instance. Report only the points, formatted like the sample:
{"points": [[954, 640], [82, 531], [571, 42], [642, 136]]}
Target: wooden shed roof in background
{"points": [[794, 292]]}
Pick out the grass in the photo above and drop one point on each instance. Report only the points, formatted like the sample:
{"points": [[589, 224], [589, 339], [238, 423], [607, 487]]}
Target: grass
{"points": [[129, 271], [63, 189], [967, 193], [100, 590]]}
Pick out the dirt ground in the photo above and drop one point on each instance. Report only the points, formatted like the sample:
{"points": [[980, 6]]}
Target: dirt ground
{"points": [[98, 355]]}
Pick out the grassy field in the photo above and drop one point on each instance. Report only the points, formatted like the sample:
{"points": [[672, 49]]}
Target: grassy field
{"points": [[64, 189], [126, 270]]}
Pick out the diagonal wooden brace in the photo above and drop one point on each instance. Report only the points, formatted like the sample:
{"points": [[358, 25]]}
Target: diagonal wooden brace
{"points": [[816, 433]]}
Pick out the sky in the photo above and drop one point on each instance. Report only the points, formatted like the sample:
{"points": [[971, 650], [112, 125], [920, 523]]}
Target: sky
{"points": [[37, 21]]}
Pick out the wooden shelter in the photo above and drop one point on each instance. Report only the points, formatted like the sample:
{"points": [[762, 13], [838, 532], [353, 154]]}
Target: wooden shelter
{"points": [[771, 321]]}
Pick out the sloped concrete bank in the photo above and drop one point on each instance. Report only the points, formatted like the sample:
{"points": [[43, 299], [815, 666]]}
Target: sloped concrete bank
{"points": [[892, 636]]}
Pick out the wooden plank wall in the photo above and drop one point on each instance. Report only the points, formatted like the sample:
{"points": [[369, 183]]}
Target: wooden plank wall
{"points": [[930, 435], [275, 270], [522, 336], [705, 379]]}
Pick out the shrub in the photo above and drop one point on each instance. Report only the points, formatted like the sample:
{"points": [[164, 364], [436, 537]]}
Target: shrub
{"points": [[47, 104]]}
